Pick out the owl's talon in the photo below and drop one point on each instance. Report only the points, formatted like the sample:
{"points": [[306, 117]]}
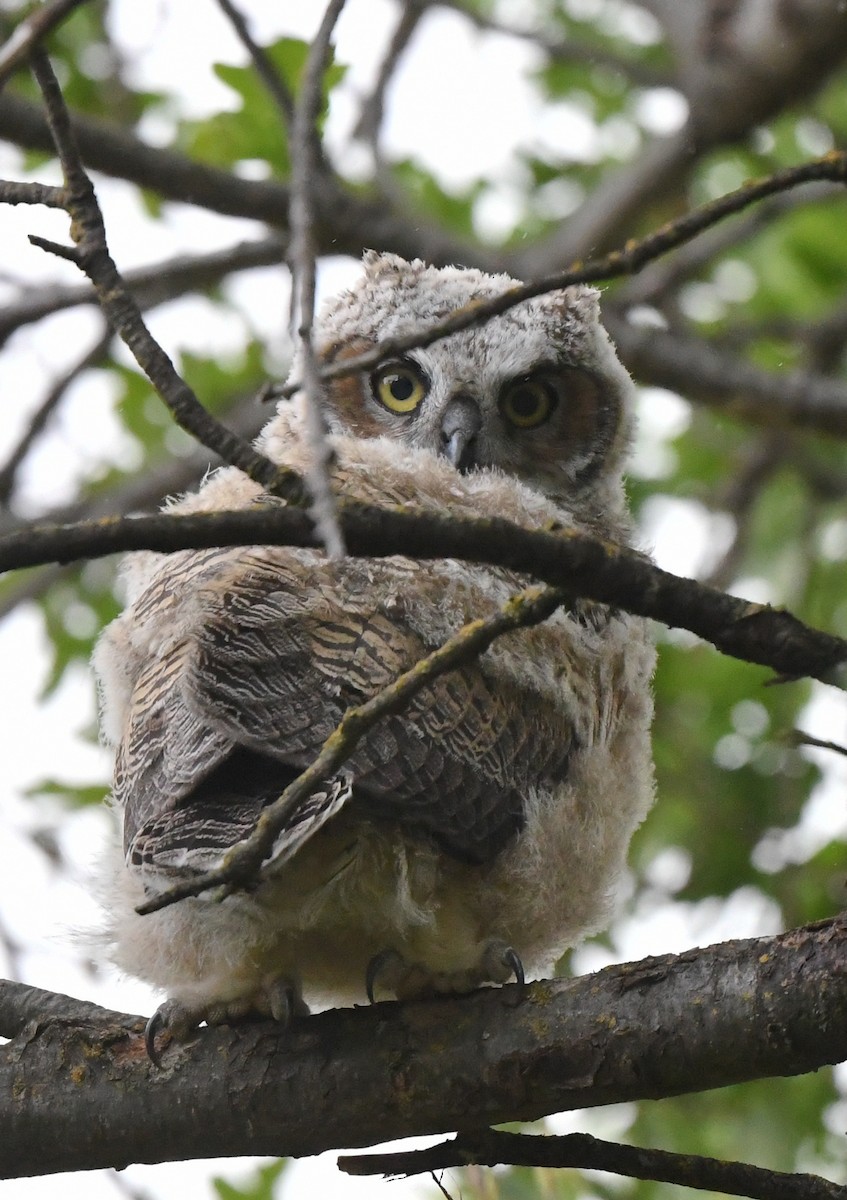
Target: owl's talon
{"points": [[153, 1026], [512, 959], [285, 1001], [386, 963], [173, 1018]]}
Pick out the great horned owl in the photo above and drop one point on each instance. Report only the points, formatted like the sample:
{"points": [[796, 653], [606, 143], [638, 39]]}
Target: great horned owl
{"points": [[488, 823]]}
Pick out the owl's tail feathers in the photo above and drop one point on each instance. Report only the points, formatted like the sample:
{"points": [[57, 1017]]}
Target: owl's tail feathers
{"points": [[194, 835]]}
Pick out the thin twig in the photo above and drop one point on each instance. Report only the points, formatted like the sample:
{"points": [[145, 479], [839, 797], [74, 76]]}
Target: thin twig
{"points": [[494, 1147], [370, 118], [662, 278], [31, 31], [14, 192], [92, 256], [626, 261], [739, 498], [798, 738], [150, 285], [306, 166], [241, 864], [274, 83]]}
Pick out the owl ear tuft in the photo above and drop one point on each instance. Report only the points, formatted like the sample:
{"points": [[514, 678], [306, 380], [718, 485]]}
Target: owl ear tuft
{"points": [[379, 264], [578, 303]]}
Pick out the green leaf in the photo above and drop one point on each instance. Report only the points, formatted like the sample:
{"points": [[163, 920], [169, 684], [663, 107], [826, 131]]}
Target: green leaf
{"points": [[261, 1187], [256, 129]]}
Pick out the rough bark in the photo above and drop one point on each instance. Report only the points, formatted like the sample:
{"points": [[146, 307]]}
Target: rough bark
{"points": [[78, 1093]]}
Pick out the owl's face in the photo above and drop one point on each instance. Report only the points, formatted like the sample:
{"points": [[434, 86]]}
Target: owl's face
{"points": [[536, 392]]}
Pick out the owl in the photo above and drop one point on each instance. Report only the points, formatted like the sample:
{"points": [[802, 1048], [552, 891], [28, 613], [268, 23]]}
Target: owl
{"points": [[484, 829]]}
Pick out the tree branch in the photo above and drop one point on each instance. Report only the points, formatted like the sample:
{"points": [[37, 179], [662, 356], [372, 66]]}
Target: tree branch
{"points": [[22, 1005], [9, 470], [626, 261], [575, 561], [92, 256], [493, 1147], [31, 32], [78, 1094], [150, 285], [308, 171], [801, 399]]}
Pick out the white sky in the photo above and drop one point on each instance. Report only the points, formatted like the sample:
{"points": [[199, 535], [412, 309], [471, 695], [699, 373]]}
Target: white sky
{"points": [[464, 126]]}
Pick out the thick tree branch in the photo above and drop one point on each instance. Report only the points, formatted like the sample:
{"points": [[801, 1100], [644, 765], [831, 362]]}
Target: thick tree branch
{"points": [[346, 224], [22, 1005], [578, 563], [79, 1095], [703, 374]]}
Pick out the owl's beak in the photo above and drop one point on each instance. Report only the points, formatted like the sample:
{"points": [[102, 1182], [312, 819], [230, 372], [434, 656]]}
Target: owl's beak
{"points": [[460, 425]]}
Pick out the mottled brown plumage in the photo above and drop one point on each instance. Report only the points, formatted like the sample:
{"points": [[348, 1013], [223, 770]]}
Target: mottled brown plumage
{"points": [[493, 813]]}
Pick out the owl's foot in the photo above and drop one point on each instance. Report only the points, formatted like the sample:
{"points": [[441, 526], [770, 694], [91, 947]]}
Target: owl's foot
{"points": [[279, 999], [391, 972]]}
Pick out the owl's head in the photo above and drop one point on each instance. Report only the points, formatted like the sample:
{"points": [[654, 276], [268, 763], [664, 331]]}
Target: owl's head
{"points": [[536, 392]]}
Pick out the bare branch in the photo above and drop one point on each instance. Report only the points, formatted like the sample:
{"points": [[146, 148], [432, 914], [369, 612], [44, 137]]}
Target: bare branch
{"points": [[13, 192], [703, 374], [347, 221], [765, 1007], [493, 1147], [32, 31], [370, 117], [799, 738], [565, 50], [150, 285], [92, 255], [570, 559], [627, 261], [267, 72], [21, 1005], [660, 278], [306, 169], [159, 481]]}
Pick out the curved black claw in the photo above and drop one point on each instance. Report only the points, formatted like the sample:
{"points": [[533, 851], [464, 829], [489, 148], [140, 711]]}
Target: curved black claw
{"points": [[376, 967], [512, 959], [154, 1026]]}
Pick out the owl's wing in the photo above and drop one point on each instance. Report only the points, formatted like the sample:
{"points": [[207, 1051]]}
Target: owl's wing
{"points": [[288, 644], [222, 720]]}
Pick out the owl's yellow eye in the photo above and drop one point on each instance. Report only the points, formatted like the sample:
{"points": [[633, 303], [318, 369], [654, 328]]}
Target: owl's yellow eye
{"points": [[399, 386], [527, 403]]}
